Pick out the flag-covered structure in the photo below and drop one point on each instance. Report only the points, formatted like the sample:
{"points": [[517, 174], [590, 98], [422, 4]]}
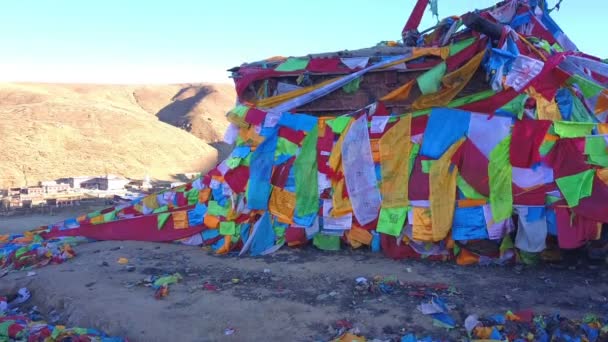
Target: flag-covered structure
{"points": [[481, 140]]}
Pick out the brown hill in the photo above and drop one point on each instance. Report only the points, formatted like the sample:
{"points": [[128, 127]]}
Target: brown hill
{"points": [[49, 131]]}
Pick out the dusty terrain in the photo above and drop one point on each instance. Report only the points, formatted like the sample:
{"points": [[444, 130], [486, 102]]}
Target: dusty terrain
{"points": [[49, 131], [18, 223], [294, 294]]}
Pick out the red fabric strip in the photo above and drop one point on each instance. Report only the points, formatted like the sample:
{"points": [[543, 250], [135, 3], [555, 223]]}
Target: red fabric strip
{"points": [[237, 178], [416, 16], [526, 139], [142, 228]]}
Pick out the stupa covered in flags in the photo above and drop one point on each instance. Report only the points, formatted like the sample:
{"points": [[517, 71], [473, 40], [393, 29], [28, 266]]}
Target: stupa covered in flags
{"points": [[480, 140]]}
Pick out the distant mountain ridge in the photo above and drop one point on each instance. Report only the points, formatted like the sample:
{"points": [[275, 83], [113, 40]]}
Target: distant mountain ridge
{"points": [[49, 131]]}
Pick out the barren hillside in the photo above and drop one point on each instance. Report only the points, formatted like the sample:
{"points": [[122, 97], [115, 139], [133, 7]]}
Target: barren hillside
{"points": [[56, 130]]}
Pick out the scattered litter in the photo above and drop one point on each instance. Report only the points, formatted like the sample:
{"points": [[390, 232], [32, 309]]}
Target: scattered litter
{"points": [[229, 331], [361, 280], [17, 324], [210, 287], [438, 309], [31, 273], [130, 268], [123, 261], [161, 284]]}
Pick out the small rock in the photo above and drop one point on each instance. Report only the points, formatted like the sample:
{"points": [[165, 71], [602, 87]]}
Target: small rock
{"points": [[322, 296], [130, 268], [267, 270], [115, 248], [90, 284], [333, 293]]}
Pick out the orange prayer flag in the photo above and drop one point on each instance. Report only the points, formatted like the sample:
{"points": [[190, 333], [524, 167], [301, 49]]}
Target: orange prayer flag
{"points": [[180, 219], [203, 195], [400, 94], [226, 247], [375, 145], [602, 102], [602, 128], [282, 204], [360, 235], [211, 222], [453, 83], [422, 229], [551, 137], [97, 219], [602, 174], [466, 258], [468, 203]]}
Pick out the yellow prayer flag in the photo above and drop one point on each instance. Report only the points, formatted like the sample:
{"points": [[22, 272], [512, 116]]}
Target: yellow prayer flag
{"points": [[442, 196]]}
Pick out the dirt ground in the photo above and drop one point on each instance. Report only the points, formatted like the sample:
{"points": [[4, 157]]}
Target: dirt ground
{"points": [[20, 223], [294, 294]]}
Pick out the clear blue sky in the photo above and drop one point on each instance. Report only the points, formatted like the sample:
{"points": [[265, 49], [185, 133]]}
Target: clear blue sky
{"points": [[137, 41]]}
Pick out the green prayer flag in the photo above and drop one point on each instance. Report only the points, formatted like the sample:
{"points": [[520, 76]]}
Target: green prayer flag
{"points": [[279, 233], [339, 124], [168, 280], [557, 47], [580, 112], [426, 165], [239, 111], [461, 45], [161, 209], [161, 220], [215, 209], [352, 86], [233, 162], [192, 196], [227, 228], [108, 217], [595, 144], [306, 173], [588, 88], [575, 187], [413, 155], [285, 147], [595, 148], [94, 214], [596, 159], [470, 98], [391, 220], [567, 129], [516, 106], [430, 81], [293, 64], [4, 328], [247, 160], [506, 244], [499, 171], [467, 190], [546, 147], [326, 242]]}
